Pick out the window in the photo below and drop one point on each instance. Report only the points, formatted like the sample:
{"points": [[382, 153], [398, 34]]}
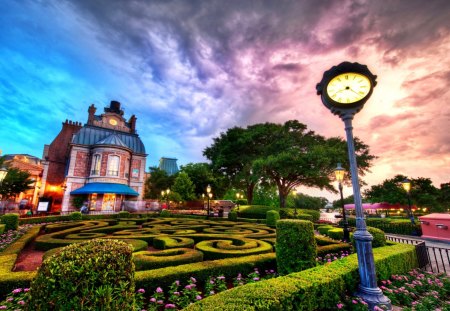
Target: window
{"points": [[96, 163], [113, 165]]}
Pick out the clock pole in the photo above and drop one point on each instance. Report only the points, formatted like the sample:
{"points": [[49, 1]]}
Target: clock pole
{"points": [[368, 289]]}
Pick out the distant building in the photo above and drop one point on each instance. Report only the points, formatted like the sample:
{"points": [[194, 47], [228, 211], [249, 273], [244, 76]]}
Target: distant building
{"points": [[169, 165], [31, 165], [102, 162]]}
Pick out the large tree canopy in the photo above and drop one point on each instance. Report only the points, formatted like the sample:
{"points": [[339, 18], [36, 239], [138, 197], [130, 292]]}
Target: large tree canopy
{"points": [[202, 175], [423, 193], [15, 182], [286, 154], [157, 182]]}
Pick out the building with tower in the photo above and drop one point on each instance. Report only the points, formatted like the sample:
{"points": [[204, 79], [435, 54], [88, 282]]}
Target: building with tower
{"points": [[102, 162]]}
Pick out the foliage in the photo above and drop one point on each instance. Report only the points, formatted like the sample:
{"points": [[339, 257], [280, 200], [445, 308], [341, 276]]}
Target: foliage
{"points": [[184, 186], [124, 214], [294, 156], [389, 225], [157, 182], [423, 193], [87, 276], [304, 201], [272, 217], [379, 238], [324, 229], [265, 194], [337, 204], [76, 216], [15, 182], [78, 201], [165, 213], [233, 215], [318, 288], [202, 175], [9, 237], [11, 221], [307, 214], [255, 211], [295, 246], [336, 234]]}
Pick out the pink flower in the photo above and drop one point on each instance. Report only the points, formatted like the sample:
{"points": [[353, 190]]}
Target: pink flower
{"points": [[159, 290], [339, 305], [354, 301], [198, 297], [141, 291], [153, 299]]}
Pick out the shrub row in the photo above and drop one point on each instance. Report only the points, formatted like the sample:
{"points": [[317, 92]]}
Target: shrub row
{"points": [[11, 221], [232, 247], [318, 288], [230, 267], [400, 226], [146, 260], [2, 228]]}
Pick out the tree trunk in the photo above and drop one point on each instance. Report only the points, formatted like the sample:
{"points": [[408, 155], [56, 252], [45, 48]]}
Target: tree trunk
{"points": [[250, 189]]}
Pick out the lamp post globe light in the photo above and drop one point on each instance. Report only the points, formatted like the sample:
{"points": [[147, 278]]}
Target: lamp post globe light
{"points": [[3, 173], [167, 198], [344, 89], [209, 194], [339, 172], [406, 184]]}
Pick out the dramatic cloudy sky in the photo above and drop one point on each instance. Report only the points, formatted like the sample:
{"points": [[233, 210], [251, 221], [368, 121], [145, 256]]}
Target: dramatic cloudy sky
{"points": [[191, 69]]}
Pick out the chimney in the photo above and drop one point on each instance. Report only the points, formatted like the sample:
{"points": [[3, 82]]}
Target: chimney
{"points": [[91, 112], [132, 122]]}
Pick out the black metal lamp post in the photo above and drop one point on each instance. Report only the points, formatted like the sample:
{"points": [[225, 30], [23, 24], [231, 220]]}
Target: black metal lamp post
{"points": [[203, 201], [3, 173], [167, 198], [209, 194], [344, 89], [295, 206], [340, 173], [406, 184]]}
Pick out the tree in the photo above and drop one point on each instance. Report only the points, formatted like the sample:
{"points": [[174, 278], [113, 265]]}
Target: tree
{"points": [[305, 201], [15, 182], [347, 200], [294, 156], [157, 182], [423, 193], [266, 195], [184, 187], [444, 196], [202, 175], [232, 154]]}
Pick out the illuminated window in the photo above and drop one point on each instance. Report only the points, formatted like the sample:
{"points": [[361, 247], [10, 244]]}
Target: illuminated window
{"points": [[96, 162], [113, 165]]}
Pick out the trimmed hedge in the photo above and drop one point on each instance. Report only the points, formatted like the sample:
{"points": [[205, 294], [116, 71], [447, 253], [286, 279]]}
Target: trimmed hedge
{"points": [[272, 217], [94, 275], [323, 240], [295, 246], [390, 225], [255, 211], [76, 216], [165, 213], [324, 229], [333, 248], [229, 267], [170, 257], [336, 233], [233, 216], [232, 247], [172, 242], [2, 228], [318, 288], [379, 238], [11, 221]]}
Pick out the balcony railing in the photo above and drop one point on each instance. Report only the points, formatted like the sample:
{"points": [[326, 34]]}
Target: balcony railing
{"points": [[112, 173]]}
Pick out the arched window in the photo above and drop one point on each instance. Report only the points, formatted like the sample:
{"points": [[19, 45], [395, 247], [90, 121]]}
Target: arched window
{"points": [[96, 163], [113, 165]]}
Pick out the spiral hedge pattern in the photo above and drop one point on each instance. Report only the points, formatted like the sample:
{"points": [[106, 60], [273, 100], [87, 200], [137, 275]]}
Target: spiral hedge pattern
{"points": [[162, 242]]}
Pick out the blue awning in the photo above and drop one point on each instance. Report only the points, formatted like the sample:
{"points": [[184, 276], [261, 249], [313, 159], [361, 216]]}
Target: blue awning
{"points": [[99, 187]]}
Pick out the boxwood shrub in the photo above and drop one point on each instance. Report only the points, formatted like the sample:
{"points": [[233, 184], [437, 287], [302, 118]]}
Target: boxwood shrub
{"points": [[324, 229], [146, 260], [379, 238], [2, 228], [11, 221], [94, 275], [232, 215], [255, 211], [391, 225], [319, 288], [336, 233], [76, 216], [272, 217], [296, 246], [165, 213]]}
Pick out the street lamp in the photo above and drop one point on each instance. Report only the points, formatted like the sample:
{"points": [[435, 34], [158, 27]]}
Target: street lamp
{"points": [[238, 196], [406, 184], [3, 173], [203, 201], [339, 172], [167, 198], [209, 194], [344, 89]]}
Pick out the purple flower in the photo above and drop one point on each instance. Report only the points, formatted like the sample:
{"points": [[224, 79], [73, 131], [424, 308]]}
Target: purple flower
{"points": [[221, 277], [176, 293], [26, 290], [354, 301], [141, 291], [159, 290], [198, 297], [17, 290], [3, 307], [339, 305], [211, 282], [169, 306], [160, 302], [21, 302], [193, 280], [153, 299], [177, 282], [255, 279]]}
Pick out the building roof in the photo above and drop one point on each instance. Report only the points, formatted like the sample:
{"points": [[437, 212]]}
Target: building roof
{"points": [[91, 135], [102, 188], [112, 140], [169, 165]]}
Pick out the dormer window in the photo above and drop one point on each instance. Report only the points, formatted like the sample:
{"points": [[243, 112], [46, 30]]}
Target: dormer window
{"points": [[96, 163], [113, 165]]}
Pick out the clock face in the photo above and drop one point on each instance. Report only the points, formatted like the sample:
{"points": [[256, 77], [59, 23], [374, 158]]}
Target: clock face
{"points": [[348, 88], [112, 121]]}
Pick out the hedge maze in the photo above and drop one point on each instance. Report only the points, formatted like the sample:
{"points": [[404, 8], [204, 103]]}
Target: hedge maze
{"points": [[172, 241]]}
